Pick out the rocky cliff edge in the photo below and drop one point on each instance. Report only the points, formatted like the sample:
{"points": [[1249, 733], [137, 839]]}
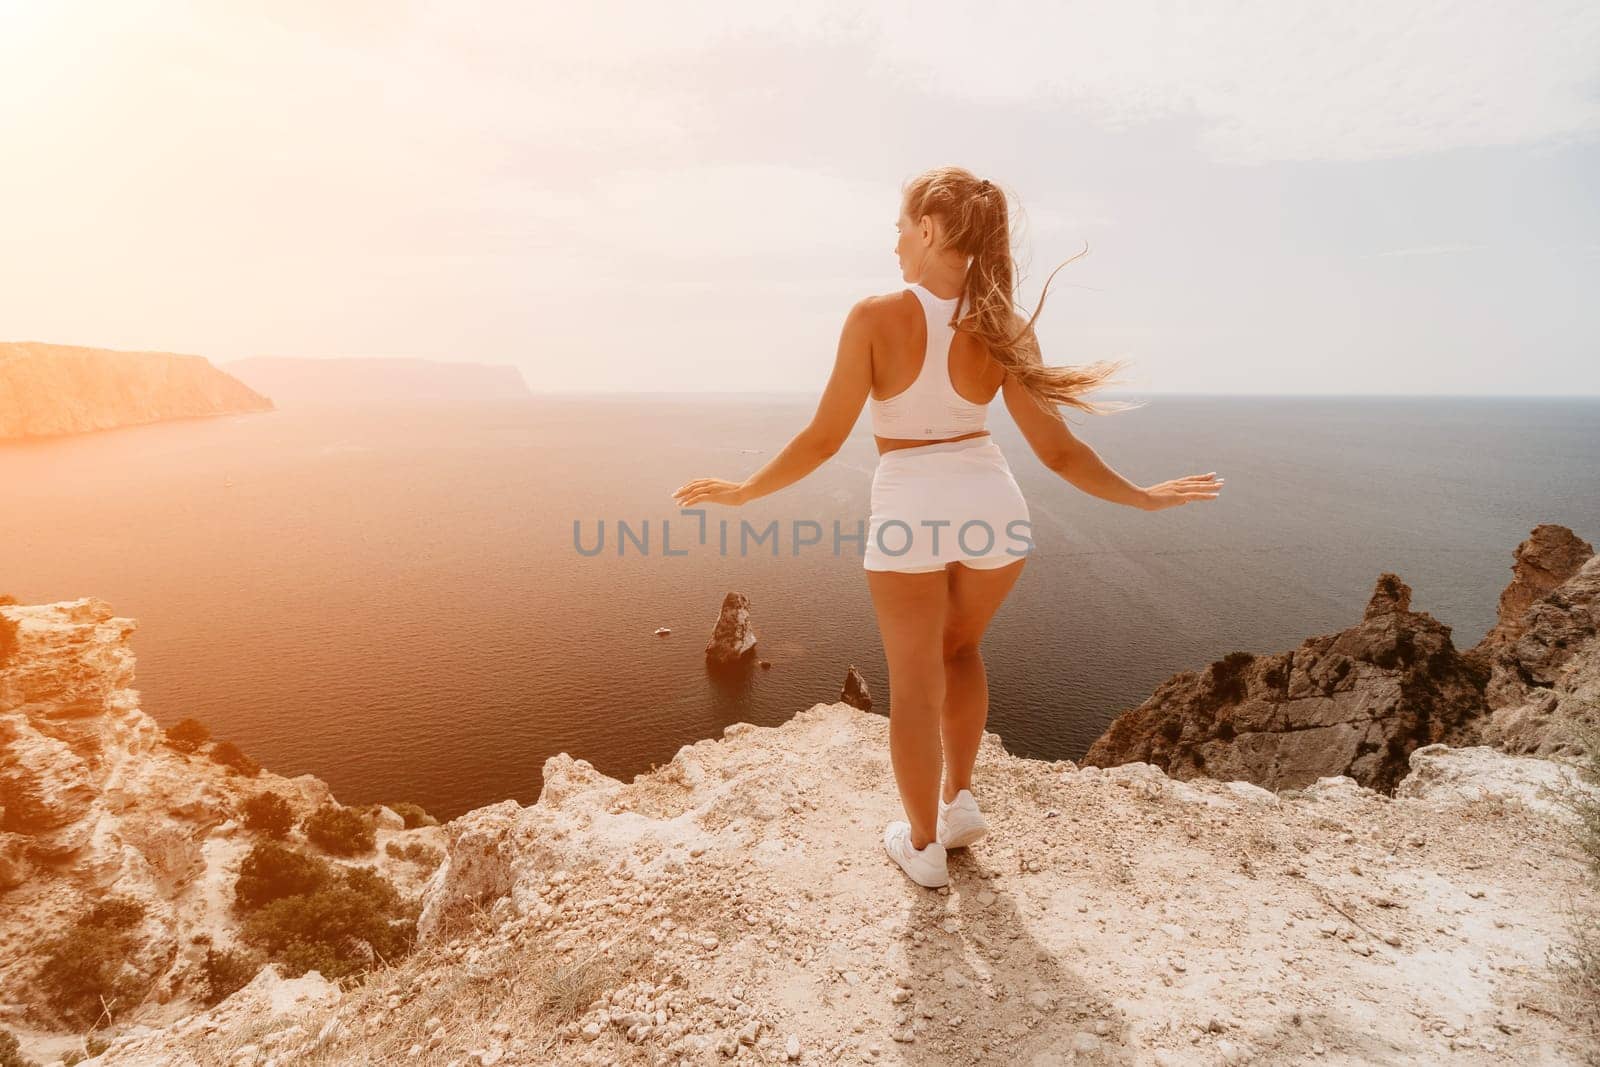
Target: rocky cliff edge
{"points": [[736, 904]]}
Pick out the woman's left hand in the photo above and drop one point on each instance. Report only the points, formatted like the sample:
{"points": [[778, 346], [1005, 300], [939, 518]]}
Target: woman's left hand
{"points": [[709, 491]]}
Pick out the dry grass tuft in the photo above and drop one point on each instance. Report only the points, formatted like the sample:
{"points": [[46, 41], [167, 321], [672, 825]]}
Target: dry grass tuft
{"points": [[564, 989]]}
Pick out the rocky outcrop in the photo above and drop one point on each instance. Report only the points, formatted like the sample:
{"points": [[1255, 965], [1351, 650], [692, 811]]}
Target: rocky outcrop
{"points": [[733, 637], [735, 904], [1543, 563], [94, 801], [47, 390], [1464, 775], [1359, 702], [1356, 703], [477, 866], [854, 691], [385, 382], [1544, 682]]}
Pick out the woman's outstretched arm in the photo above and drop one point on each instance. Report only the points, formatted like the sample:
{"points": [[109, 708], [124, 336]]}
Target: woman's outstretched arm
{"points": [[1074, 460], [837, 411]]}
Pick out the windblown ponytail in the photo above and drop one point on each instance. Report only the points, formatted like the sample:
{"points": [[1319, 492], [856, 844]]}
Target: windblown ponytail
{"points": [[978, 225]]}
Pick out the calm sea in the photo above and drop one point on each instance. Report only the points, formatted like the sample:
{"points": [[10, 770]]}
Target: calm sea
{"points": [[392, 600]]}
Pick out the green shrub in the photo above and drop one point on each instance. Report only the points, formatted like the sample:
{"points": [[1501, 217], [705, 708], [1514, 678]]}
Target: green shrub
{"points": [[230, 755], [227, 972], [413, 814], [416, 852], [268, 813], [342, 831], [271, 871], [367, 882], [187, 735], [330, 929], [116, 913], [11, 1052], [83, 973]]}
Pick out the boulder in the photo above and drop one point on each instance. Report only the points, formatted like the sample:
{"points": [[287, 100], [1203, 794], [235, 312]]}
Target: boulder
{"points": [[1452, 775], [476, 869]]}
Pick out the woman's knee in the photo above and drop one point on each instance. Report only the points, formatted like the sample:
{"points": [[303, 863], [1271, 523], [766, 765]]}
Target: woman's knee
{"points": [[922, 702], [958, 647]]}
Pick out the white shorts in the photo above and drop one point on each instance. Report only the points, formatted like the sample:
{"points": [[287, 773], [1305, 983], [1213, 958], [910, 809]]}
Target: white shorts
{"points": [[945, 502]]}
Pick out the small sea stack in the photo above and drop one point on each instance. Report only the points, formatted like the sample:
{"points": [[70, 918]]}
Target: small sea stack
{"points": [[734, 637], [855, 691]]}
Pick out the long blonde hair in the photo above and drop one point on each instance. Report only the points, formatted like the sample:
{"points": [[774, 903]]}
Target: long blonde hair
{"points": [[977, 224]]}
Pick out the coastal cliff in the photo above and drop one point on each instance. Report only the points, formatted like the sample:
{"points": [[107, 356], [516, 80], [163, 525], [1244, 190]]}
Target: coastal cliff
{"points": [[736, 904], [97, 800], [48, 390]]}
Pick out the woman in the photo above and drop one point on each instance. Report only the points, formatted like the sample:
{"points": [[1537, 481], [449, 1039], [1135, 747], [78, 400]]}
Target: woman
{"points": [[948, 533]]}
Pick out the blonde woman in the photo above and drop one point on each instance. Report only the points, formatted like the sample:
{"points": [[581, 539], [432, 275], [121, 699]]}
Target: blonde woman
{"points": [[948, 533]]}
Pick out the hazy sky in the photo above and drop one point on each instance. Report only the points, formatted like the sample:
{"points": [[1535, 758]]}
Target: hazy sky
{"points": [[1278, 197]]}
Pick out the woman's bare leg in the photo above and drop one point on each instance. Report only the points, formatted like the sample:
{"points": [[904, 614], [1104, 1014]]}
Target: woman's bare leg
{"points": [[911, 619], [975, 595]]}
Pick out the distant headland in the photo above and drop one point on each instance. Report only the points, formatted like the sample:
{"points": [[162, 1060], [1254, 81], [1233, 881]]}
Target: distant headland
{"points": [[48, 390]]}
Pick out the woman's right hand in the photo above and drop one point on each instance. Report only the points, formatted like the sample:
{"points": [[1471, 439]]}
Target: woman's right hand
{"points": [[1180, 491]]}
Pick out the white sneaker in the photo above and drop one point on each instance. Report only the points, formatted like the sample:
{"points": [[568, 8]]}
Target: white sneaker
{"points": [[925, 865], [960, 821]]}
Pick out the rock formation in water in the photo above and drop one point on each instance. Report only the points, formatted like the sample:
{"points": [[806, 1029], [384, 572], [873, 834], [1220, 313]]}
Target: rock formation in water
{"points": [[733, 637], [47, 390], [854, 691], [1358, 702], [324, 383]]}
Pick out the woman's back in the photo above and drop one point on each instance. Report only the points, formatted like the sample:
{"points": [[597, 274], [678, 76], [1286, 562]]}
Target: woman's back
{"points": [[928, 381]]}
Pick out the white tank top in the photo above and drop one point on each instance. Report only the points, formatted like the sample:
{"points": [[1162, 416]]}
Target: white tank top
{"points": [[930, 406]]}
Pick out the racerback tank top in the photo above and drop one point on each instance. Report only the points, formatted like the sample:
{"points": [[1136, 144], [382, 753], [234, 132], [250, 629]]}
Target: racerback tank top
{"points": [[930, 406]]}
